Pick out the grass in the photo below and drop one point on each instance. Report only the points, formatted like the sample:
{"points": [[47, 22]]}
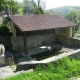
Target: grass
{"points": [[47, 54], [13, 67], [63, 69]]}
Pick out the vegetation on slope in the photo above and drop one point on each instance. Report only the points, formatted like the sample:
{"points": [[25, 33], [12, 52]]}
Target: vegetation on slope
{"points": [[64, 10], [63, 69]]}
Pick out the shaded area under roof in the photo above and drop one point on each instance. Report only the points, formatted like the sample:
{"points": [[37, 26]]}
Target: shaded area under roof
{"points": [[39, 22]]}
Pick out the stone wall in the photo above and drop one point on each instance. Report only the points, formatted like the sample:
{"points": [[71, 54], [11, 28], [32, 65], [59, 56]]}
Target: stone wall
{"points": [[72, 42], [32, 41], [16, 43]]}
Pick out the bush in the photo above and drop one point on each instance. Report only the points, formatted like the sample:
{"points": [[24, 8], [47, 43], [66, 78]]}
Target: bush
{"points": [[4, 31]]}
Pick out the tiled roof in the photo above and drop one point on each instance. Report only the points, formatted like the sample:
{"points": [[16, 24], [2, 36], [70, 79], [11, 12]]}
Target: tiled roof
{"points": [[40, 22]]}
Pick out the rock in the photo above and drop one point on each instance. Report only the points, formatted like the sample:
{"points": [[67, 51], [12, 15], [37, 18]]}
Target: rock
{"points": [[2, 60], [9, 58], [2, 55], [2, 49]]}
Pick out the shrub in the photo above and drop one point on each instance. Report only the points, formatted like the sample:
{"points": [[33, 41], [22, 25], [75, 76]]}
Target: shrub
{"points": [[4, 30]]}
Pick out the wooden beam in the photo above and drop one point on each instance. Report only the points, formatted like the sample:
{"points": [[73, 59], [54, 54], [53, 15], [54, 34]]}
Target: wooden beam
{"points": [[25, 43]]}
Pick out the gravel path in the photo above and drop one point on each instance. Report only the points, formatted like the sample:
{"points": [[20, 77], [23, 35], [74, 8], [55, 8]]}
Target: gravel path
{"points": [[7, 72]]}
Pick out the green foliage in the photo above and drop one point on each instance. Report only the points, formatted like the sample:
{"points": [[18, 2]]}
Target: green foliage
{"points": [[26, 7], [3, 4], [14, 6], [4, 30], [30, 7], [63, 69], [10, 4], [39, 11], [74, 16]]}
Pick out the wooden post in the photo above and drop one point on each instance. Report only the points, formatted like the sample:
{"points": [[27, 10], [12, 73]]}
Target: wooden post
{"points": [[25, 43]]}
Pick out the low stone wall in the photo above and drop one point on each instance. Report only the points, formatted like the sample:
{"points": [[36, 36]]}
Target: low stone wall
{"points": [[31, 64], [72, 42], [32, 41]]}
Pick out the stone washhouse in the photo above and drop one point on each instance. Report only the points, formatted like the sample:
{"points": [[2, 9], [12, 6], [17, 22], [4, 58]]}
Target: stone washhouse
{"points": [[36, 30]]}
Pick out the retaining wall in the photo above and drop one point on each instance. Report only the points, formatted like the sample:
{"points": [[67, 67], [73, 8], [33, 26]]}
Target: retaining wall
{"points": [[72, 42], [16, 43]]}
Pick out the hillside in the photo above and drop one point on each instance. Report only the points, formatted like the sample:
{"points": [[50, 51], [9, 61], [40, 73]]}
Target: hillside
{"points": [[63, 10]]}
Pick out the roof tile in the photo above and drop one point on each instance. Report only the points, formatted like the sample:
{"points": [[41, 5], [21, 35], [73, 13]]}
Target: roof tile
{"points": [[40, 22]]}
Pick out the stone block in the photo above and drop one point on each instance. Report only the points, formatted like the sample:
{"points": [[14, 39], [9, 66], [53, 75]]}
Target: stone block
{"points": [[9, 58], [28, 65]]}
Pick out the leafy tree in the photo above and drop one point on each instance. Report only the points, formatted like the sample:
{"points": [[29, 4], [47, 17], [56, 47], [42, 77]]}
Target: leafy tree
{"points": [[39, 2], [30, 7], [74, 16], [3, 4], [9, 5], [14, 6], [39, 11]]}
